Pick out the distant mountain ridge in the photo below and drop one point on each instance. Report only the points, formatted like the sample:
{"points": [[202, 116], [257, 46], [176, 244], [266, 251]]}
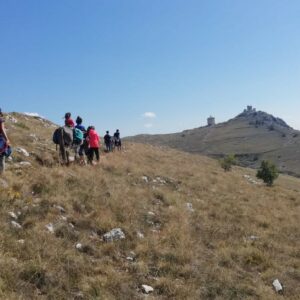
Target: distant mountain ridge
{"points": [[252, 136]]}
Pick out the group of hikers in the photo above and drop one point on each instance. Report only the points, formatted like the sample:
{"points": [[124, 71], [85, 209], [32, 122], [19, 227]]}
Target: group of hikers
{"points": [[83, 141], [73, 136]]}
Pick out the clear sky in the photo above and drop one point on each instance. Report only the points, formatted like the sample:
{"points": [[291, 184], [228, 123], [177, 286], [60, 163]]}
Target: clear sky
{"points": [[178, 61]]}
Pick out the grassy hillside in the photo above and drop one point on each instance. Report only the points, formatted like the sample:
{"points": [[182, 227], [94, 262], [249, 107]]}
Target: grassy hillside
{"points": [[191, 230], [241, 136]]}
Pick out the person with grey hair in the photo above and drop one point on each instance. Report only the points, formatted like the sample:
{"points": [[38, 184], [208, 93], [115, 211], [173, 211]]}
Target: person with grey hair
{"points": [[4, 142]]}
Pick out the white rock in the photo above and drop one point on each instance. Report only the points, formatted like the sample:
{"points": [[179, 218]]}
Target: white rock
{"points": [[277, 285], [22, 151], [147, 289], [189, 207], [151, 213], [114, 235], [129, 258], [71, 225], [21, 242], [50, 227], [13, 215], [59, 208], [78, 246], [145, 178], [253, 237], [25, 163], [140, 235], [15, 225]]}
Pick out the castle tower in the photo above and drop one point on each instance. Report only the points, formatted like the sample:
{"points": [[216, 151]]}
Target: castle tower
{"points": [[211, 121]]}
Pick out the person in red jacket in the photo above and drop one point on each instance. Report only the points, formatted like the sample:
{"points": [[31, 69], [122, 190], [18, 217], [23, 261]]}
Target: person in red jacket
{"points": [[94, 144]]}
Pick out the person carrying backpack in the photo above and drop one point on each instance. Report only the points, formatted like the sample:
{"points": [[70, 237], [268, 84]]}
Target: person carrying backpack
{"points": [[79, 151], [107, 141], [94, 144], [4, 143], [117, 139]]}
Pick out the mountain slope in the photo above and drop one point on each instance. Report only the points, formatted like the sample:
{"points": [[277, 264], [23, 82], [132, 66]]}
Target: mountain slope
{"points": [[191, 230], [251, 136]]}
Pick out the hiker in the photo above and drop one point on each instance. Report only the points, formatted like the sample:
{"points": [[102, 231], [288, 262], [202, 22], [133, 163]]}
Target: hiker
{"points": [[68, 120], [117, 140], [4, 143], [94, 144], [107, 141], [79, 142]]}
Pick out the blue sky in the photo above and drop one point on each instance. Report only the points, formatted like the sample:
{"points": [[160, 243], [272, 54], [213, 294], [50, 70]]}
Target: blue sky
{"points": [[112, 61]]}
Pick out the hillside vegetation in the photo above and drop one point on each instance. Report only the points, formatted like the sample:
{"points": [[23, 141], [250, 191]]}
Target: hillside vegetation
{"points": [[191, 230], [251, 136]]}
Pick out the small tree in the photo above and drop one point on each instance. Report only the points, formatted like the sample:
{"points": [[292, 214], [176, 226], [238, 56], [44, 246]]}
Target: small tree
{"points": [[267, 172], [227, 162]]}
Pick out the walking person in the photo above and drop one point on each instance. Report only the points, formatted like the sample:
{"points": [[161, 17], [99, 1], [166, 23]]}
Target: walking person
{"points": [[107, 141], [117, 139], [4, 143], [94, 145], [80, 144]]}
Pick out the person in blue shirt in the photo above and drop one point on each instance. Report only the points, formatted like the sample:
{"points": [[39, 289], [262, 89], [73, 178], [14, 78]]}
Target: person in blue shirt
{"points": [[81, 149]]}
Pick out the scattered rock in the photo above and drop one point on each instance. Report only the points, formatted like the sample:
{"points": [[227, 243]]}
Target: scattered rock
{"points": [[25, 164], [22, 242], [22, 151], [59, 208], [251, 180], [253, 237], [151, 213], [13, 215], [78, 246], [15, 225], [189, 207], [277, 286], [63, 218], [114, 235], [50, 227], [140, 235], [147, 289], [145, 178]]}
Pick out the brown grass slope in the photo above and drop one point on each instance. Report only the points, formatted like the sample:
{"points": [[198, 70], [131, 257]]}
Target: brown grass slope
{"points": [[202, 254], [241, 136]]}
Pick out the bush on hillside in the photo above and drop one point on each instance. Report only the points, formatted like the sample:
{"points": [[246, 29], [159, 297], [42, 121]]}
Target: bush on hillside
{"points": [[267, 172], [227, 162]]}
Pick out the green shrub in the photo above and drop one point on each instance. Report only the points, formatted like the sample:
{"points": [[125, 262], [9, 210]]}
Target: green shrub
{"points": [[267, 172], [227, 162]]}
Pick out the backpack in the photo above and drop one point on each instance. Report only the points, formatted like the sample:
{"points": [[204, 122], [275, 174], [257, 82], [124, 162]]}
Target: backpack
{"points": [[3, 145], [63, 135], [77, 136]]}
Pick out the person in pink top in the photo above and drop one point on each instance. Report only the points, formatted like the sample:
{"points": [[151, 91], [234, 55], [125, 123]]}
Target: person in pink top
{"points": [[94, 144]]}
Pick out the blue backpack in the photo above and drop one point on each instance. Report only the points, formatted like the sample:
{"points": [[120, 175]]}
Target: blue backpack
{"points": [[77, 136]]}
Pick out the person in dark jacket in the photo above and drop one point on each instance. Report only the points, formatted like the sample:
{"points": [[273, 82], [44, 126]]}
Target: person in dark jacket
{"points": [[107, 141], [117, 140]]}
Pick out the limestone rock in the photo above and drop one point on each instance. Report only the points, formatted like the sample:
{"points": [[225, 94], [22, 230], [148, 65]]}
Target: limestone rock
{"points": [[147, 289], [277, 286], [22, 151], [114, 235]]}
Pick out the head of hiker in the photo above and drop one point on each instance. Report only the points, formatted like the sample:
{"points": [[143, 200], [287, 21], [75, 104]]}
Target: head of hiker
{"points": [[68, 120]]}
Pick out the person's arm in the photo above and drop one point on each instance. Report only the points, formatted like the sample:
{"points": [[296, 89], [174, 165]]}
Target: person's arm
{"points": [[4, 132]]}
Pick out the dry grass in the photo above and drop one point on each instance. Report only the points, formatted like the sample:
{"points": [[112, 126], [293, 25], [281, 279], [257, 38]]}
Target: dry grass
{"points": [[205, 254]]}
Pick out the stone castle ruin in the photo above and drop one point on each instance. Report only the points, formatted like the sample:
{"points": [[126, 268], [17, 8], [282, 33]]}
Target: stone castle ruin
{"points": [[211, 121]]}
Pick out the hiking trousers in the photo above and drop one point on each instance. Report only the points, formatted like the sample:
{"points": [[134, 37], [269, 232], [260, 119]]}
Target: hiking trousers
{"points": [[93, 151], [2, 164]]}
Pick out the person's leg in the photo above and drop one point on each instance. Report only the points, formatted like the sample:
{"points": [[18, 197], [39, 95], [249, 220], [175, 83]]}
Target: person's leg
{"points": [[2, 164], [91, 155], [97, 154]]}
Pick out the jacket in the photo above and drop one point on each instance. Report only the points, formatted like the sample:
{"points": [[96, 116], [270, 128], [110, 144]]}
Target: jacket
{"points": [[94, 139]]}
